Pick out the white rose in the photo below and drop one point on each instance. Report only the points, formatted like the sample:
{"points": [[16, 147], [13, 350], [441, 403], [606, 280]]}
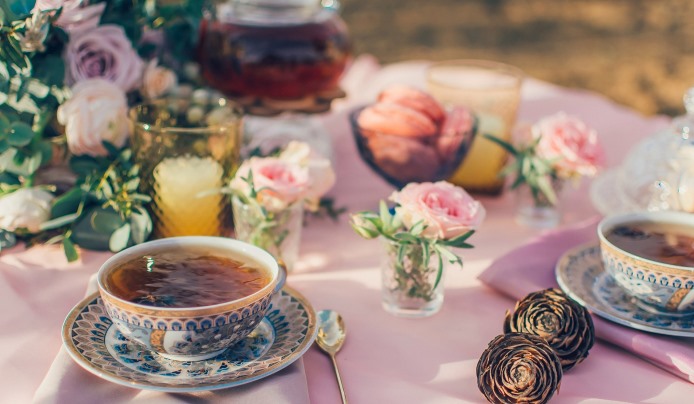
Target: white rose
{"points": [[157, 80], [320, 170], [25, 208], [97, 111]]}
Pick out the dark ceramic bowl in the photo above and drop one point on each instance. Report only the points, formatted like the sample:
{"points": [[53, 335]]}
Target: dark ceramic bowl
{"points": [[400, 160]]}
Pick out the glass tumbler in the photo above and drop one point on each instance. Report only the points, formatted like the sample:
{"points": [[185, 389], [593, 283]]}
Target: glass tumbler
{"points": [[187, 150], [492, 91]]}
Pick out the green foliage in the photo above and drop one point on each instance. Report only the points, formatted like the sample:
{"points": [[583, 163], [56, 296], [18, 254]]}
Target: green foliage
{"points": [[104, 210], [413, 247], [529, 168]]}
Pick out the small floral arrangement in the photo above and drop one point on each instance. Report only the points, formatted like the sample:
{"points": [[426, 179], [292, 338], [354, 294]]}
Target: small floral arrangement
{"points": [[560, 147], [428, 219], [269, 187], [69, 70]]}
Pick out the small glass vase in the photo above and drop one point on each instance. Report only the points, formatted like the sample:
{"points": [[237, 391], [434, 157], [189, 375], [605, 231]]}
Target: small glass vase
{"points": [[412, 285], [278, 233], [538, 212]]}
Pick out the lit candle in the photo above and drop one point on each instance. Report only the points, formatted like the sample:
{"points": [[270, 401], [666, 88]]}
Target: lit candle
{"points": [[187, 198]]}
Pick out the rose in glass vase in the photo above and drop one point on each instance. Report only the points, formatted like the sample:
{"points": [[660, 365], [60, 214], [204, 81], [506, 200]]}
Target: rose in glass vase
{"points": [[269, 195], [427, 221], [554, 150]]}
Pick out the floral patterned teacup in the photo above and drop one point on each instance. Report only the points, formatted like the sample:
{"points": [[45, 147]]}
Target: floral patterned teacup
{"points": [[190, 333]]}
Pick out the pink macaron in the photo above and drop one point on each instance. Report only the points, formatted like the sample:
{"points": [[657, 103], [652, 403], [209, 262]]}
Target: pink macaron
{"points": [[394, 119], [415, 99]]}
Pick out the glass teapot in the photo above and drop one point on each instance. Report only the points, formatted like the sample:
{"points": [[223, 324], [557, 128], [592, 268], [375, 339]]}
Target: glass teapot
{"points": [[659, 173], [278, 49]]}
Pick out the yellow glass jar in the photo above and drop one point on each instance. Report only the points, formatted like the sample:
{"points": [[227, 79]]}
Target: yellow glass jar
{"points": [[187, 150], [492, 91]]}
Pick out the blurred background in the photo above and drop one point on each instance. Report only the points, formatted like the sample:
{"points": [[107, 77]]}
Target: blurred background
{"points": [[639, 53]]}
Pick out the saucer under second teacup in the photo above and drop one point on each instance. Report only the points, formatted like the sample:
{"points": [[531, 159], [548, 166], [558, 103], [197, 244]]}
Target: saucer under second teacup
{"points": [[283, 336], [581, 275]]}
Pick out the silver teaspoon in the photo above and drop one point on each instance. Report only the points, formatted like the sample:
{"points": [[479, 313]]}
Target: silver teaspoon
{"points": [[331, 336]]}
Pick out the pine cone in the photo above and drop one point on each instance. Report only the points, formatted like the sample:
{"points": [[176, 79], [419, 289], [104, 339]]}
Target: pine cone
{"points": [[564, 324], [518, 368]]}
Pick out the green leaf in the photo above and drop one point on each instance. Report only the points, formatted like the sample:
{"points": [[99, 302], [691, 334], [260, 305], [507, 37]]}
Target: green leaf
{"points": [[49, 69], [59, 222], [83, 165], [4, 124], [418, 228], [110, 148], [4, 145], [22, 7], [14, 163], [70, 251], [141, 226], [544, 184], [406, 237], [7, 178], [20, 134], [504, 145], [439, 273], [85, 236], [459, 241], [449, 256], [120, 238], [105, 220], [67, 203]]}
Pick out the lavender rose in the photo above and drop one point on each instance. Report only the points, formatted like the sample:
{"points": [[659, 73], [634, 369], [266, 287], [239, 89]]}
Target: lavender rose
{"points": [[103, 52], [97, 111]]}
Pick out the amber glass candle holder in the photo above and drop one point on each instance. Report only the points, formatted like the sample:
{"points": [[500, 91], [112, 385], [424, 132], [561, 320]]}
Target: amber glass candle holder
{"points": [[188, 150]]}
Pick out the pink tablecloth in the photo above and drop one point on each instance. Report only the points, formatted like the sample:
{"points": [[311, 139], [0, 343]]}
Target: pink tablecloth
{"points": [[385, 359]]}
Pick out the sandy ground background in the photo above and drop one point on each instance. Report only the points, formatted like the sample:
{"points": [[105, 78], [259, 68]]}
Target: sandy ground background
{"points": [[637, 52]]}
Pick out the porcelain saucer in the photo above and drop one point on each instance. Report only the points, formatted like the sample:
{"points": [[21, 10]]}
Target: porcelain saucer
{"points": [[580, 275], [286, 332]]}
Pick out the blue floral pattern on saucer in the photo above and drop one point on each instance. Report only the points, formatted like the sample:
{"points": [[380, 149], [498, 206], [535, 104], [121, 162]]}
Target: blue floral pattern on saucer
{"points": [[581, 275], [286, 332]]}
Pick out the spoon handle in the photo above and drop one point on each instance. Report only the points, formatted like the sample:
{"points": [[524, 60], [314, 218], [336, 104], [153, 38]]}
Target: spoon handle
{"points": [[339, 380]]}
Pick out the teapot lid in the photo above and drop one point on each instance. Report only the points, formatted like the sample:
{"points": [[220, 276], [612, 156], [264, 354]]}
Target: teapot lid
{"points": [[276, 12]]}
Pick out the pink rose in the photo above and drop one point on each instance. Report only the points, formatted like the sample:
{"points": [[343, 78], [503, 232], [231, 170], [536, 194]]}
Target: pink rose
{"points": [[157, 80], [97, 111], [570, 144], [320, 169], [76, 14], [103, 52], [279, 183], [446, 210]]}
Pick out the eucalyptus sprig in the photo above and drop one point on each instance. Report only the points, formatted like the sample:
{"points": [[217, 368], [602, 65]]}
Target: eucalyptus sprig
{"points": [[104, 210], [529, 168], [387, 224]]}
